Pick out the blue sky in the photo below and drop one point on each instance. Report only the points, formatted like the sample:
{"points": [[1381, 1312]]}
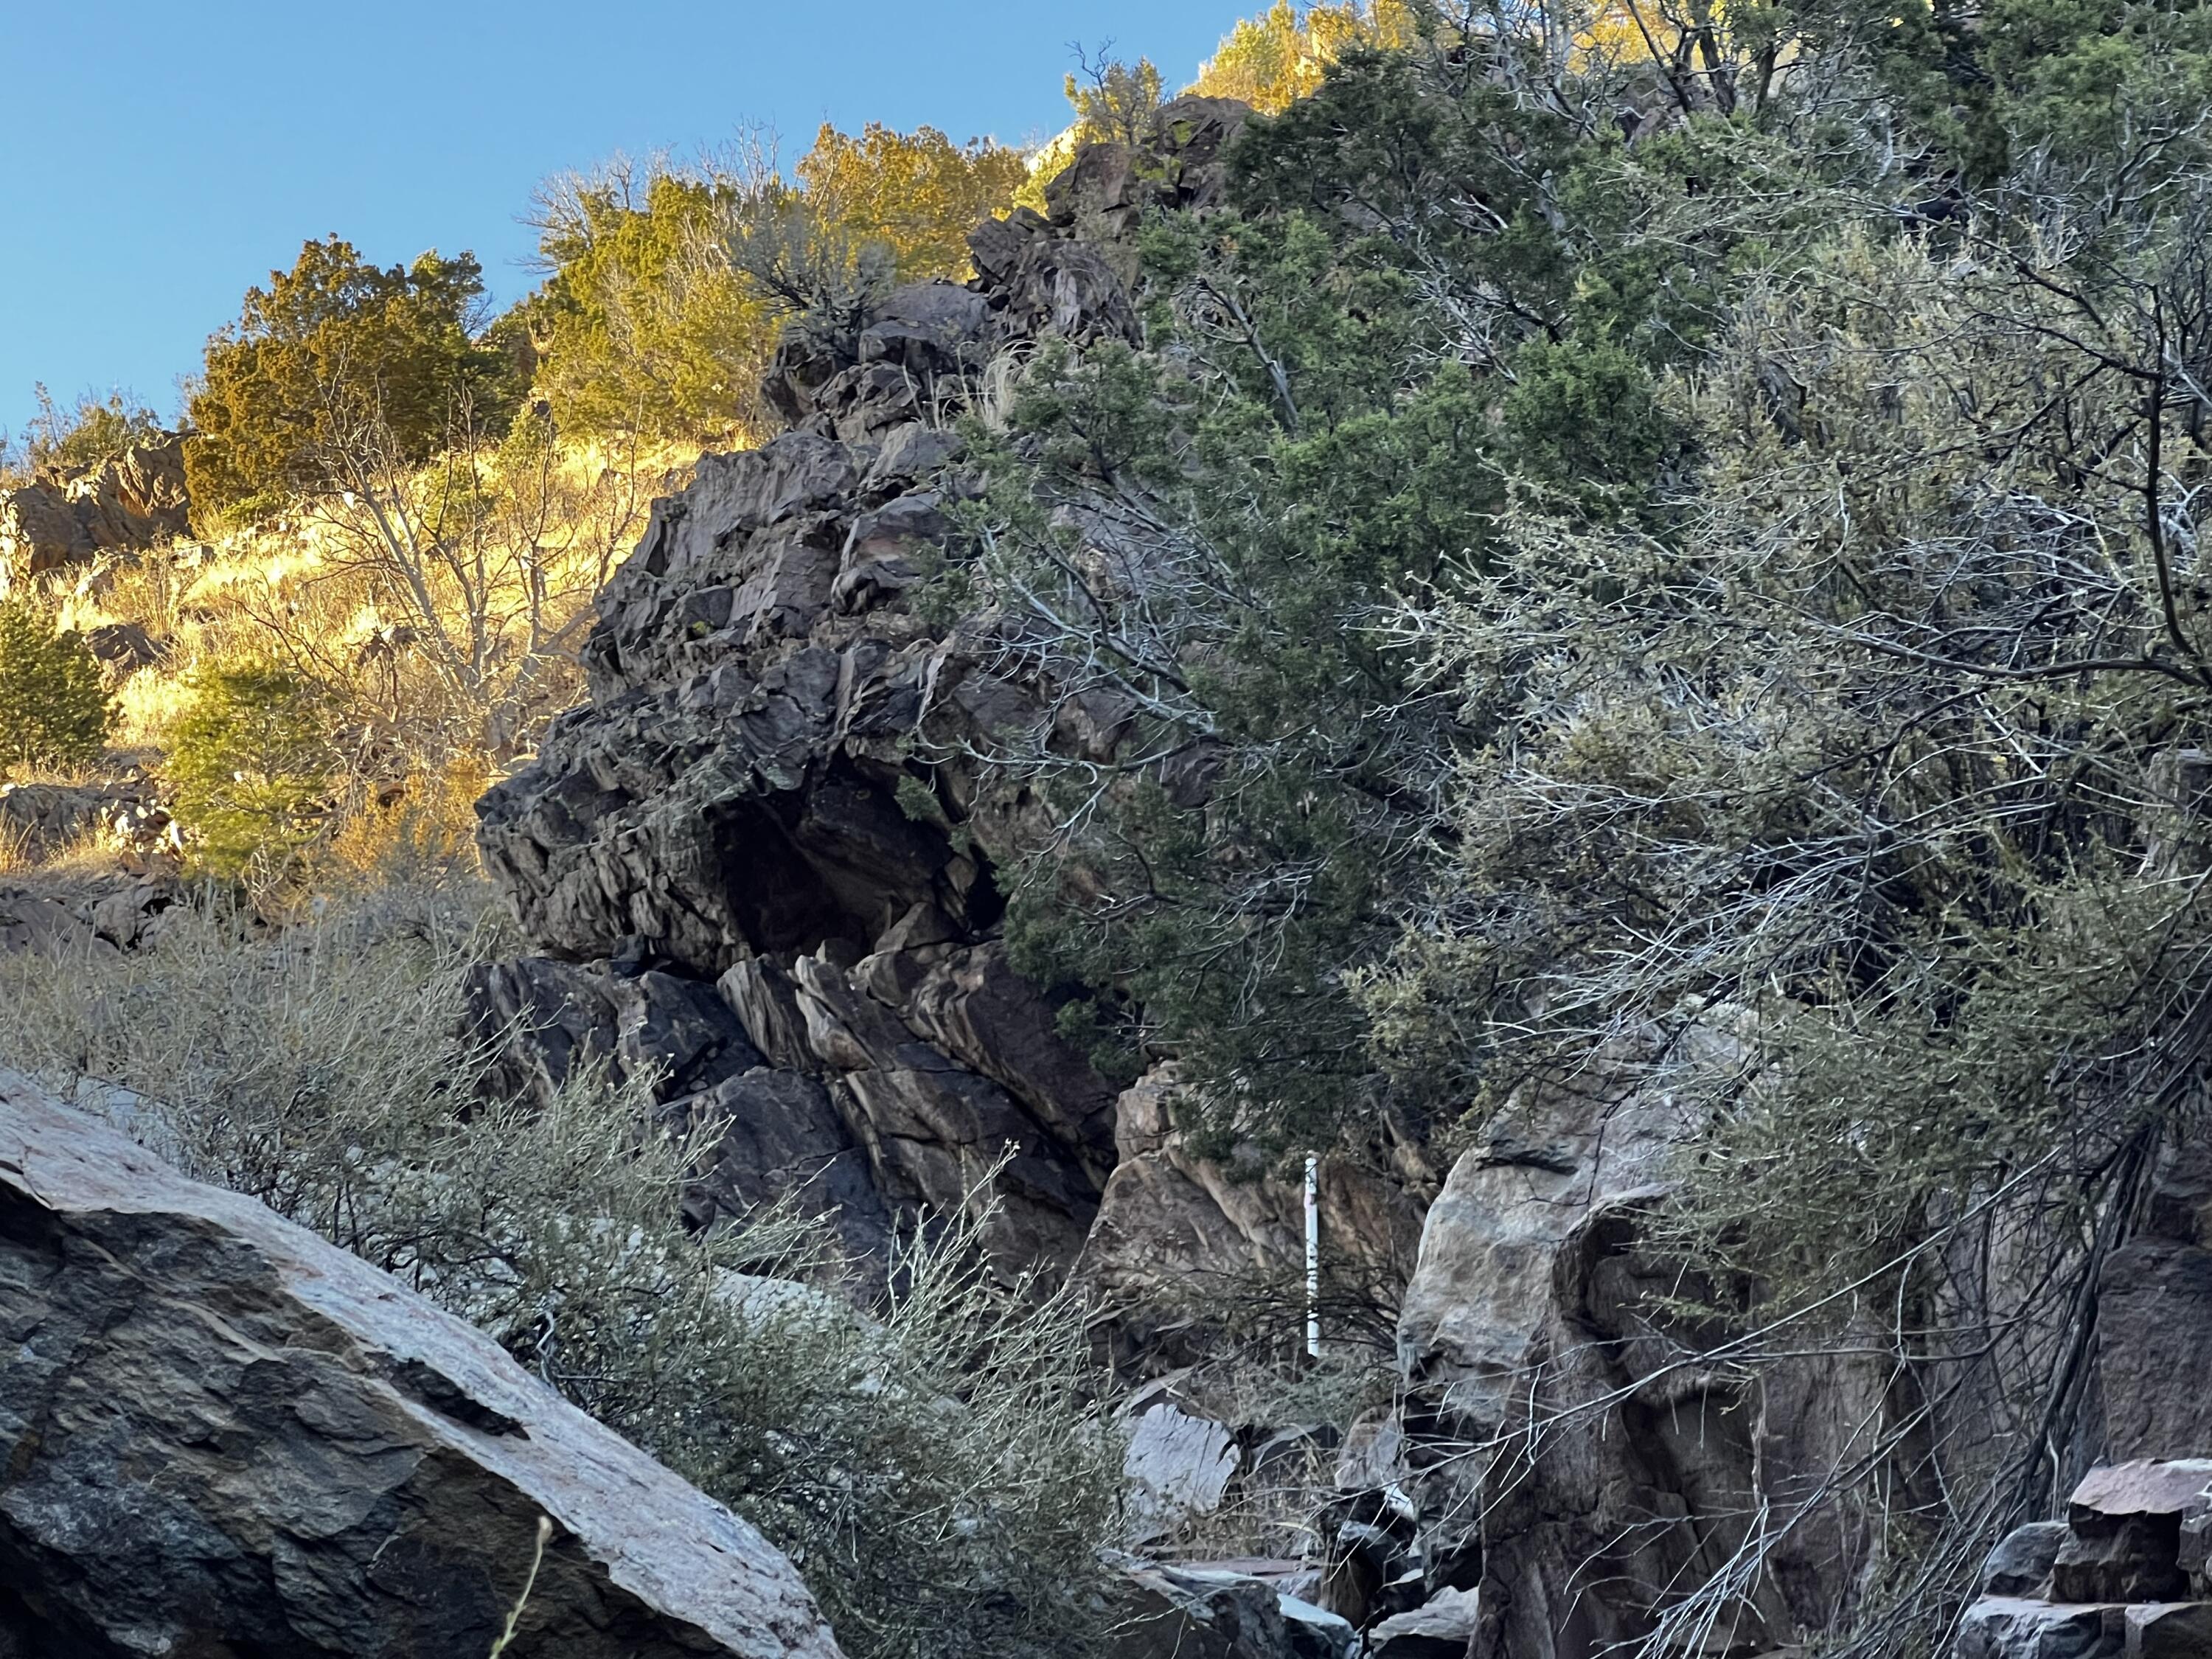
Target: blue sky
{"points": [[156, 158]]}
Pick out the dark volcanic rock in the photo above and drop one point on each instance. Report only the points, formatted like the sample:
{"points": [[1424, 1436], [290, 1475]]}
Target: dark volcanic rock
{"points": [[2021, 1565], [738, 805], [2125, 1532], [1533, 1293], [2154, 1321], [2003, 1628], [742, 803], [221, 1434], [1187, 1613]]}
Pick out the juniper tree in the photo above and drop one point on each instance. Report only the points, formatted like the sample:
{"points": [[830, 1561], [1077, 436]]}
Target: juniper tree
{"points": [[55, 710]]}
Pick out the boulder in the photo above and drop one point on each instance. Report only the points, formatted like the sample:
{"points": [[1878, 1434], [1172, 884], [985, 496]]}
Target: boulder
{"points": [[1443, 1627], [29, 922], [1187, 1613], [1176, 1469], [2169, 1630], [38, 531], [2021, 1563], [125, 647], [551, 1019], [221, 1434], [1532, 1305], [2123, 1539], [130, 504], [779, 1137], [1373, 1455], [2007, 1627], [41, 819], [2144, 1486], [1178, 1234], [121, 818], [2120, 1558], [1181, 163]]}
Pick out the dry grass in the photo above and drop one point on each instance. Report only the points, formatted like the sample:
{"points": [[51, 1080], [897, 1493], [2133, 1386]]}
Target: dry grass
{"points": [[86, 857], [939, 1472], [19, 853], [412, 742]]}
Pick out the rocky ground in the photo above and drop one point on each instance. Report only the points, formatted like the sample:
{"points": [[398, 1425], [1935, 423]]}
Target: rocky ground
{"points": [[725, 881]]}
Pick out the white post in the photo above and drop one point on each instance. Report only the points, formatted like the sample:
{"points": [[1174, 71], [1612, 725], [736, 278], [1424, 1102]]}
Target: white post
{"points": [[1313, 1256]]}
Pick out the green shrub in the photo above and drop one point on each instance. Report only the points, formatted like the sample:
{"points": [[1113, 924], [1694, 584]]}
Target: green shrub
{"points": [[251, 770], [337, 354], [937, 1472], [54, 707], [63, 442]]}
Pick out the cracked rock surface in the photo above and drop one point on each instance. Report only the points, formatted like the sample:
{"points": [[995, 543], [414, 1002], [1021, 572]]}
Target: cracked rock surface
{"points": [[220, 1435]]}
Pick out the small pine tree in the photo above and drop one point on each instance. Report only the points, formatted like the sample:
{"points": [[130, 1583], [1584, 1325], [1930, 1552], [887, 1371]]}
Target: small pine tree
{"points": [[251, 769], [54, 707]]}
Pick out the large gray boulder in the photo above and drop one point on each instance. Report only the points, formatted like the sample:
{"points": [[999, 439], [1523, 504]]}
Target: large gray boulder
{"points": [[1530, 1322], [221, 1434], [2154, 1320], [1180, 1235]]}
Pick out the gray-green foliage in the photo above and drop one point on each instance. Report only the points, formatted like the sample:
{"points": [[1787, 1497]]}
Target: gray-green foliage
{"points": [[1690, 574], [935, 1470], [1200, 545], [1883, 765]]}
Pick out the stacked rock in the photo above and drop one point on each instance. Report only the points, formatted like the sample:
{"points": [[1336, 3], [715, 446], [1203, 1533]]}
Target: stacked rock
{"points": [[2126, 1575]]}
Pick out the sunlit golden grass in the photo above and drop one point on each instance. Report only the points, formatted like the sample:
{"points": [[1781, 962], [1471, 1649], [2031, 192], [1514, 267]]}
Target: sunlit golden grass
{"points": [[17, 855], [296, 592], [424, 835], [426, 705]]}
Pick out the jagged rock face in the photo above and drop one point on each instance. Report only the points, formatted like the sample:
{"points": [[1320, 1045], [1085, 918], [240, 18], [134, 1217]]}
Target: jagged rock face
{"points": [[731, 789], [1177, 1233], [2155, 1320], [221, 1434], [128, 505], [864, 1089], [37, 820], [735, 808], [1528, 1322], [728, 809]]}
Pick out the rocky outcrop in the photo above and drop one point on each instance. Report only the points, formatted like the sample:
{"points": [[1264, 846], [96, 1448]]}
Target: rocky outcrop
{"points": [[734, 810], [2154, 1319], [94, 916], [37, 820], [1565, 1469], [2124, 1576], [758, 864], [221, 1434], [1178, 1236], [1198, 1613], [740, 807], [866, 1088], [130, 504]]}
